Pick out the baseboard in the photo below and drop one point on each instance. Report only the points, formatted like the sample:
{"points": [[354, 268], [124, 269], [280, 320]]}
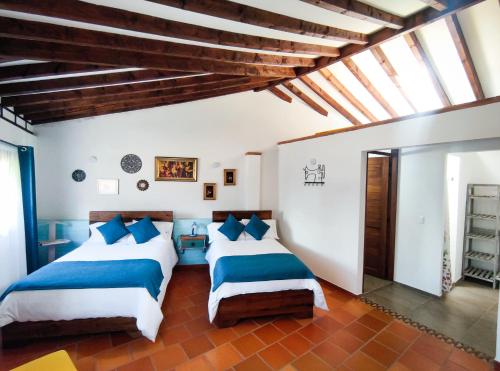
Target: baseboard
{"points": [[335, 287]]}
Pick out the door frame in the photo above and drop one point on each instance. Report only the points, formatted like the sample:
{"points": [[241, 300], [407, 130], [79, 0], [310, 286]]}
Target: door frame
{"points": [[392, 204]]}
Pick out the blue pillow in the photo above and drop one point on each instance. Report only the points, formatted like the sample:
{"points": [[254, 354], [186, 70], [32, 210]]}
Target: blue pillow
{"points": [[113, 230], [143, 230], [231, 228], [256, 227]]}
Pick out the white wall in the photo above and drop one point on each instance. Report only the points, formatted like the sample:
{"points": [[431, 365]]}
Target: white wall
{"points": [[420, 219], [214, 130], [11, 134], [325, 225]]}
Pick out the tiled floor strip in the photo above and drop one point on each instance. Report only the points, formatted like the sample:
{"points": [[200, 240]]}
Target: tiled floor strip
{"points": [[351, 336]]}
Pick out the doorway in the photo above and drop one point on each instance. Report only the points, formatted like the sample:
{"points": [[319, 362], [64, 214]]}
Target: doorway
{"points": [[380, 218], [436, 243]]}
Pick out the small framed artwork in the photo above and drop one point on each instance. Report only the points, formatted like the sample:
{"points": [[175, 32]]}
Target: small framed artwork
{"points": [[176, 169], [107, 186], [209, 191], [229, 177]]}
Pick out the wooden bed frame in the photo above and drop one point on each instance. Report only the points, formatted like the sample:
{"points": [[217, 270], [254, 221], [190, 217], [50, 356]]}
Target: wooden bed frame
{"points": [[298, 303], [17, 333]]}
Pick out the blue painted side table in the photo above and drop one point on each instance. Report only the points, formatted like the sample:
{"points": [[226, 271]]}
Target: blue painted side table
{"points": [[193, 242]]}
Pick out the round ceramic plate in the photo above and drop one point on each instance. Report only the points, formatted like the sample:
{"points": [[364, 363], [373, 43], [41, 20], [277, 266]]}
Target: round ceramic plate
{"points": [[142, 185], [78, 175], [131, 163]]}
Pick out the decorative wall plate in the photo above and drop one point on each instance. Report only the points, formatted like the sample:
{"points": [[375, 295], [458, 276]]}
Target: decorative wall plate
{"points": [[142, 185], [131, 163], [78, 175]]}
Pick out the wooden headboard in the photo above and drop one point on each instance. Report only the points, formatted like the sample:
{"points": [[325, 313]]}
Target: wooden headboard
{"points": [[220, 216], [128, 216]]}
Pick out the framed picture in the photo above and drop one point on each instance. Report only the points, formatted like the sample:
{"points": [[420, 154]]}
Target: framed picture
{"points": [[107, 186], [209, 191], [176, 169], [229, 177]]}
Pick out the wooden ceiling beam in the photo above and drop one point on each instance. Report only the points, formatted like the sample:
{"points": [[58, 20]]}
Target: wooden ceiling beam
{"points": [[138, 96], [422, 58], [365, 81], [38, 31], [329, 99], [391, 72], [119, 18], [51, 69], [114, 91], [411, 23], [305, 98], [280, 94], [359, 10], [463, 51], [81, 82], [124, 107], [437, 4], [328, 76], [41, 50], [258, 17]]}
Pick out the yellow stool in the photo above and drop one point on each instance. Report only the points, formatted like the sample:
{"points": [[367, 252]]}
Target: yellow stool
{"points": [[57, 361]]}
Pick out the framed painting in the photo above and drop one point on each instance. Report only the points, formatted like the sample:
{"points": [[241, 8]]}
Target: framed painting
{"points": [[176, 169], [209, 191], [229, 177]]}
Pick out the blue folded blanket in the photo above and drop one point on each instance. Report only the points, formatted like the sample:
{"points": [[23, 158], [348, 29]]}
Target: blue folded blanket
{"points": [[262, 267], [93, 274]]}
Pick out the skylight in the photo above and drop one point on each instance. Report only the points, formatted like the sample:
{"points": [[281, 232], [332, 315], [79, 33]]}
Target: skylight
{"points": [[437, 39], [358, 90], [325, 85], [412, 76], [377, 76]]}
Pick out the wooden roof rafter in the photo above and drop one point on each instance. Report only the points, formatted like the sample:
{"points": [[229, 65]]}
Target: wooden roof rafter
{"points": [[258, 17], [125, 107], [47, 110], [116, 90], [280, 94], [391, 72], [337, 85], [365, 81], [40, 31], [49, 51], [359, 10], [329, 99], [89, 81], [463, 51], [49, 69], [419, 53], [119, 18], [305, 98]]}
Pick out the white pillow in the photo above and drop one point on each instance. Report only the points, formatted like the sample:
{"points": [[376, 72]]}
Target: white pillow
{"points": [[96, 235], [272, 232], [215, 235], [165, 229]]}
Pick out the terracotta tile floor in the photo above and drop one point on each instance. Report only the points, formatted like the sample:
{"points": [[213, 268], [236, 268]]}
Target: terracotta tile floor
{"points": [[351, 336]]}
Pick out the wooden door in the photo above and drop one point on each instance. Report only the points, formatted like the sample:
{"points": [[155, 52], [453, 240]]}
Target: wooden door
{"points": [[376, 216]]}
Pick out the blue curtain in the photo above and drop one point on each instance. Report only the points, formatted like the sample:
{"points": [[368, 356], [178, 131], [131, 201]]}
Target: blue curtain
{"points": [[27, 165]]}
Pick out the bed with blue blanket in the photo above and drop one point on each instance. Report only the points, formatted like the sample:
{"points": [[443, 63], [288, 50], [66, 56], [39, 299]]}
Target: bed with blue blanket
{"points": [[94, 288], [252, 278]]}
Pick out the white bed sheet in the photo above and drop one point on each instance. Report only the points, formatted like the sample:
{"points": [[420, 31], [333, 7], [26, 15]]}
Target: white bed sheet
{"points": [[253, 247], [69, 304]]}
